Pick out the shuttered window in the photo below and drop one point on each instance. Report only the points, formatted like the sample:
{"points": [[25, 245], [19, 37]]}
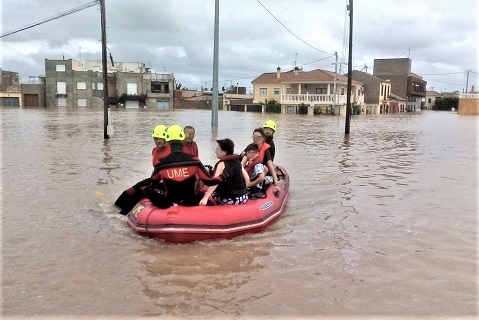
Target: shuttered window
{"points": [[61, 87], [131, 88], [62, 102], [81, 102]]}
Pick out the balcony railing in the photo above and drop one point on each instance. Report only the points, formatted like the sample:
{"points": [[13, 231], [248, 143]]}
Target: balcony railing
{"points": [[158, 76], [317, 99], [469, 96]]}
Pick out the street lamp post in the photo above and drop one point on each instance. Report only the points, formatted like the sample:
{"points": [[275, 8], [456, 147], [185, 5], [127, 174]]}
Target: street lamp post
{"points": [[214, 107], [350, 69], [106, 104]]}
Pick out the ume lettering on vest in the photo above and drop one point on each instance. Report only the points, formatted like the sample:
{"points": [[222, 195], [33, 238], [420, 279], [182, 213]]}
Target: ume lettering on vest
{"points": [[178, 173]]}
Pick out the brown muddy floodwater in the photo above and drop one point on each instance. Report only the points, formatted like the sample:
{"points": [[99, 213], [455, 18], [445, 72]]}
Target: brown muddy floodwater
{"points": [[380, 224]]}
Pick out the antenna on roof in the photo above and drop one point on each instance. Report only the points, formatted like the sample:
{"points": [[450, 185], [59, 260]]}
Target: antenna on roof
{"points": [[295, 58]]}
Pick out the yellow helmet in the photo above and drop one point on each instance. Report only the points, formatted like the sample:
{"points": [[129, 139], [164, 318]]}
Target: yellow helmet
{"points": [[270, 124], [175, 132], [159, 132]]}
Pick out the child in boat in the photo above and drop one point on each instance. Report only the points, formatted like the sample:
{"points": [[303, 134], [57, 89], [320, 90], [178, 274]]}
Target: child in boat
{"points": [[264, 157], [254, 169]]}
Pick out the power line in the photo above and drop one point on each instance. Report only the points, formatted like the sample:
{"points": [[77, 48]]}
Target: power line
{"points": [[293, 32], [440, 74], [345, 33], [304, 64], [408, 49], [83, 6]]}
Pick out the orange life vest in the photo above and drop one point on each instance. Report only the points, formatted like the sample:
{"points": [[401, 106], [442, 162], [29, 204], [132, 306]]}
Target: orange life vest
{"points": [[259, 159]]}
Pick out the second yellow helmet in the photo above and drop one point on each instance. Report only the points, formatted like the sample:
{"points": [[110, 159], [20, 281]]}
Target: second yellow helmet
{"points": [[175, 132]]}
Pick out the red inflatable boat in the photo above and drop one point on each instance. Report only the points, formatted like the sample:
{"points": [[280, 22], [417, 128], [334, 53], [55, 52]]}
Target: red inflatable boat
{"points": [[187, 224]]}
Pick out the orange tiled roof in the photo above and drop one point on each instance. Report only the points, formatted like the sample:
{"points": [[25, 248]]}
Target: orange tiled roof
{"points": [[312, 76]]}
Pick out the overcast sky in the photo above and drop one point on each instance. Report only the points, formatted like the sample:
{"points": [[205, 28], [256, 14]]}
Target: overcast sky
{"points": [[256, 36]]}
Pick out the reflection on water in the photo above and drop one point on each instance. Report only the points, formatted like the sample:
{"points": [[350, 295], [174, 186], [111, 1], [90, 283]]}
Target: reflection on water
{"points": [[199, 279], [381, 222]]}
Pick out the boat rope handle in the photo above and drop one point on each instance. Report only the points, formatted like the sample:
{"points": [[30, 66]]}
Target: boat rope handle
{"points": [[146, 223]]}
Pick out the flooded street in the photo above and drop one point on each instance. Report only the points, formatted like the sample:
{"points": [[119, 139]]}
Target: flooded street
{"points": [[383, 223]]}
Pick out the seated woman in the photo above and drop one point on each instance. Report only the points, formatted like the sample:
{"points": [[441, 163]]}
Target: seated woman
{"points": [[233, 189]]}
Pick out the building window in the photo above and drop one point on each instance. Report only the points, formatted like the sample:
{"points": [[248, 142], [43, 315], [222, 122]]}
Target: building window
{"points": [[342, 91], [429, 100], [99, 86], [61, 102], [263, 92], [162, 105], [61, 87], [160, 87], [60, 68], [81, 85], [359, 92], [93, 85], [288, 90], [322, 90], [81, 102], [131, 88], [9, 102], [276, 91]]}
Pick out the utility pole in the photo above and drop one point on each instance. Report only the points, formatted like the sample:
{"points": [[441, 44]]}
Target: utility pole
{"points": [[335, 80], [467, 80], [350, 69], [214, 107], [106, 103]]}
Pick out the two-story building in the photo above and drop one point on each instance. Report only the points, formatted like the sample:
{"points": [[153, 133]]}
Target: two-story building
{"points": [[10, 90], [72, 83], [318, 88], [377, 94], [404, 83], [33, 92], [430, 99]]}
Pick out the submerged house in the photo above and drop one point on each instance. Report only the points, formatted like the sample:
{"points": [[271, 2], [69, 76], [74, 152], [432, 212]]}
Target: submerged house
{"points": [[319, 90]]}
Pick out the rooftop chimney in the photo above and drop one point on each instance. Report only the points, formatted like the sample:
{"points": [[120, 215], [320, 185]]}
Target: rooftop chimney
{"points": [[278, 72], [296, 71]]}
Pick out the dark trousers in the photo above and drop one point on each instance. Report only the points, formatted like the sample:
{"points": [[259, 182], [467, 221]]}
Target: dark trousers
{"points": [[159, 199], [130, 197]]}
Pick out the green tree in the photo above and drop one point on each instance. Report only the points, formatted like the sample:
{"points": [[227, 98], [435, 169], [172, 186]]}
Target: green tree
{"points": [[356, 109], [446, 103], [272, 106], [136, 97], [303, 108], [179, 86], [317, 110]]}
